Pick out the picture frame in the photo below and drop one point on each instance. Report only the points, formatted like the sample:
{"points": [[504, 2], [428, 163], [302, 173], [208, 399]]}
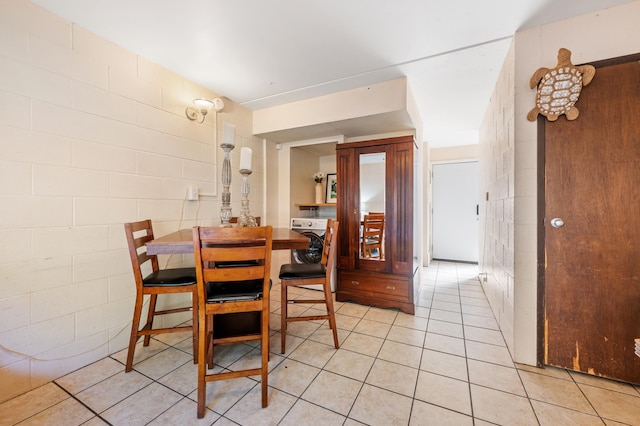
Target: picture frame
{"points": [[332, 189]]}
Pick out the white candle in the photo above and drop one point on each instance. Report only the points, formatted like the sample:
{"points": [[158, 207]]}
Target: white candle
{"points": [[229, 134], [245, 158]]}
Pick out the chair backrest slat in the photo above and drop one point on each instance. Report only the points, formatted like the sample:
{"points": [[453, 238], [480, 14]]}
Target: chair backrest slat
{"points": [[234, 274], [137, 249], [223, 254]]}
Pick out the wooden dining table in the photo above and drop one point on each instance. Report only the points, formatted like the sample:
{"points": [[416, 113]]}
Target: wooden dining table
{"points": [[181, 242]]}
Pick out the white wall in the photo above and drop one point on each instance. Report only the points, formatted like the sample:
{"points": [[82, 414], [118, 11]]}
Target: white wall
{"points": [[496, 228], [379, 98], [304, 164], [509, 158], [91, 136], [454, 153]]}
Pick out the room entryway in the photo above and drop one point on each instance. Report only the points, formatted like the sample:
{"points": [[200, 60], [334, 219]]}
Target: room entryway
{"points": [[455, 211]]}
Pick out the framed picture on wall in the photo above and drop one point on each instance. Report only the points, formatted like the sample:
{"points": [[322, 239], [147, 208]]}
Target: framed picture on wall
{"points": [[332, 189]]}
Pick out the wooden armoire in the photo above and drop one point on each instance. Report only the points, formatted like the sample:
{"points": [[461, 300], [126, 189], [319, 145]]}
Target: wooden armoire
{"points": [[385, 280]]}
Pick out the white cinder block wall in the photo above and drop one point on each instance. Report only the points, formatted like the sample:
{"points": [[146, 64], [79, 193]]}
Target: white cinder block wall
{"points": [[91, 136], [509, 160], [496, 229]]}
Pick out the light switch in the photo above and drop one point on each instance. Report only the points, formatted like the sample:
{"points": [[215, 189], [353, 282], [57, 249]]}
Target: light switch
{"points": [[192, 193]]}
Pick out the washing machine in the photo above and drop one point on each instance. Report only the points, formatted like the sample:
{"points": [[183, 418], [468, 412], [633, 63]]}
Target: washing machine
{"points": [[314, 228]]}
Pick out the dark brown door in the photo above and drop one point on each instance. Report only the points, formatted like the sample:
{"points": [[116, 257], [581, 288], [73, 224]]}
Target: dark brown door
{"points": [[592, 275]]}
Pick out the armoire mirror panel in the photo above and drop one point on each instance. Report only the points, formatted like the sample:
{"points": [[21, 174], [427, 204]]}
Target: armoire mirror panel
{"points": [[372, 205]]}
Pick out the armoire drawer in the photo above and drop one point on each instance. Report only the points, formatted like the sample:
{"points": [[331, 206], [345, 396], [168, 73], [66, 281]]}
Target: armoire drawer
{"points": [[382, 284]]}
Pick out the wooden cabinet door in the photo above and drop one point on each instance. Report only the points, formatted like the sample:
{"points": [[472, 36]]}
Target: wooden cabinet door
{"points": [[346, 212], [400, 191]]}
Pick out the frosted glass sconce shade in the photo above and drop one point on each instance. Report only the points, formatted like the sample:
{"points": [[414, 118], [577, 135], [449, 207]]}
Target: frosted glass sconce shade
{"points": [[202, 107]]}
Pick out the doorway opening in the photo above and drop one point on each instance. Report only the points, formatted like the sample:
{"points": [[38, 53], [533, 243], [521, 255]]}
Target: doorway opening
{"points": [[455, 215]]}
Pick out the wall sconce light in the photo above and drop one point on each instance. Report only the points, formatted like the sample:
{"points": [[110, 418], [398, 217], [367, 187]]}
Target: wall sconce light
{"points": [[203, 106]]}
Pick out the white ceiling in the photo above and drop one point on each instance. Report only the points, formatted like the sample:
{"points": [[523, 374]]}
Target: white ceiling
{"points": [[261, 53]]}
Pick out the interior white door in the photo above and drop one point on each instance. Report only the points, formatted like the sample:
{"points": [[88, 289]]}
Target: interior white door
{"points": [[455, 211]]}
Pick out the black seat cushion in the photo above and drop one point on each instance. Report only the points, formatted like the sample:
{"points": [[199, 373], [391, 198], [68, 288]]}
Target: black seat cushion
{"points": [[219, 291], [302, 270], [237, 264], [171, 277]]}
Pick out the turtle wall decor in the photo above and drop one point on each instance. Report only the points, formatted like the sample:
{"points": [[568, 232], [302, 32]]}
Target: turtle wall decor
{"points": [[559, 88]]}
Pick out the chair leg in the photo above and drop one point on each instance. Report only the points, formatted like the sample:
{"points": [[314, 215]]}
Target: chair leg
{"points": [[284, 302], [209, 342], [135, 325], [331, 311], [202, 363], [265, 357], [152, 310], [194, 325]]}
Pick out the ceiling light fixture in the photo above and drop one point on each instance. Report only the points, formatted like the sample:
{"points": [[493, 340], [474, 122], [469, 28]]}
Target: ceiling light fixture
{"points": [[203, 106]]}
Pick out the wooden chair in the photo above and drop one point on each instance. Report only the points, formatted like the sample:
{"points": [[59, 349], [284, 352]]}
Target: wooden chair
{"points": [[295, 274], [372, 236], [233, 266], [158, 281]]}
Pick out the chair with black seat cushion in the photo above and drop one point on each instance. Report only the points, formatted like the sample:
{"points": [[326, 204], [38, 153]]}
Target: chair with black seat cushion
{"points": [[233, 267], [302, 274], [156, 282]]}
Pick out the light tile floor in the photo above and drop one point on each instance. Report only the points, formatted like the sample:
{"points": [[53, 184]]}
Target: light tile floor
{"points": [[447, 365]]}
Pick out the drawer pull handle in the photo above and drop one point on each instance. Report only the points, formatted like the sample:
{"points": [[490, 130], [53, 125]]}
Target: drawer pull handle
{"points": [[355, 283], [390, 287]]}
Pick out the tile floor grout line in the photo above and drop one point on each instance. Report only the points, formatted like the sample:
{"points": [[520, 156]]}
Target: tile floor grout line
{"points": [[466, 357], [81, 403], [298, 398], [415, 387], [517, 372]]}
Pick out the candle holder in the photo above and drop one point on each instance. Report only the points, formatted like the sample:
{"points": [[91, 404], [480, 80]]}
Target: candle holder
{"points": [[245, 218], [225, 210]]}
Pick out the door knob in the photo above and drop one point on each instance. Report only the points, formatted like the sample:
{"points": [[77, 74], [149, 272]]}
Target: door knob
{"points": [[556, 222]]}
